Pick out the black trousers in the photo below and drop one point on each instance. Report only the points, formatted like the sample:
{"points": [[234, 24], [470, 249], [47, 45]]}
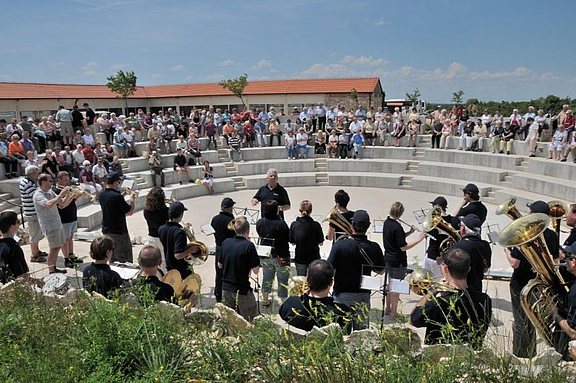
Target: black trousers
{"points": [[10, 164], [523, 332], [219, 274]]}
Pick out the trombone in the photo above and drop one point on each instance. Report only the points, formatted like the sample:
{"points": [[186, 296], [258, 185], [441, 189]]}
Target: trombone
{"points": [[416, 229], [130, 192]]}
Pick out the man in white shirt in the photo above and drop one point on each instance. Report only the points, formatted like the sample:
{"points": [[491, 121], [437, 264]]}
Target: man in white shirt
{"points": [[64, 117], [302, 143]]}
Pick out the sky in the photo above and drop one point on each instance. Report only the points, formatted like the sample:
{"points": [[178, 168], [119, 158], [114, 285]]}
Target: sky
{"points": [[491, 50]]}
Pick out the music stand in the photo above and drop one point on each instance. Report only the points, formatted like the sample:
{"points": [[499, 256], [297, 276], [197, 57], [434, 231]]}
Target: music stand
{"points": [[420, 215], [377, 284], [250, 214], [264, 251], [493, 230], [378, 226]]}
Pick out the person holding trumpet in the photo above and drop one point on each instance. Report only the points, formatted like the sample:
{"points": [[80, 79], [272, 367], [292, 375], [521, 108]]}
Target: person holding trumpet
{"points": [[395, 248]]}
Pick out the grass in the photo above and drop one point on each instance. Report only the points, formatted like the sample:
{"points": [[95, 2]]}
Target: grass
{"points": [[102, 341]]}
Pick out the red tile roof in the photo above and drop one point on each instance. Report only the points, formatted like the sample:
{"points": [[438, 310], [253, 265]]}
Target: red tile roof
{"points": [[303, 86]]}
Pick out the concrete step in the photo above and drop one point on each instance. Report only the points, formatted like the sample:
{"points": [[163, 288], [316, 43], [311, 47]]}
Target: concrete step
{"points": [[406, 182]]}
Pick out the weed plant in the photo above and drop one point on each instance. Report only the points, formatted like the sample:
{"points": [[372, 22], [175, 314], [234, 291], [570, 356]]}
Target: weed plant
{"points": [[101, 341]]}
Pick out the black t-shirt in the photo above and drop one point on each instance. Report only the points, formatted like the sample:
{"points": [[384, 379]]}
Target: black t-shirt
{"points": [[480, 258], [278, 194], [174, 240], [220, 225], [101, 279], [179, 161], [524, 272], [12, 261], [350, 264], [455, 317], [275, 233], [306, 234], [90, 116], [114, 210], [162, 291], [69, 213], [571, 237], [474, 207], [394, 239], [238, 257], [305, 312], [348, 216], [77, 118], [155, 219]]}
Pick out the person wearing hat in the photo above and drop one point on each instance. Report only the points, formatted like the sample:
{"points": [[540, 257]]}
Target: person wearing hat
{"points": [[238, 259], [479, 250], [352, 258], [465, 311], [433, 255], [221, 232], [87, 179], [395, 248], [523, 333], [114, 211], [174, 239], [471, 204], [28, 186]]}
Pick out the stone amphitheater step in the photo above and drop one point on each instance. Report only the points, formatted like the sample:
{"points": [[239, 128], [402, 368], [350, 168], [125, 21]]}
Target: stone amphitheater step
{"points": [[405, 182]]}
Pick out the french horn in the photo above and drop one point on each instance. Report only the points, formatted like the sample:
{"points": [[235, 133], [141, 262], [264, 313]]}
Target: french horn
{"points": [[422, 283], [337, 219]]}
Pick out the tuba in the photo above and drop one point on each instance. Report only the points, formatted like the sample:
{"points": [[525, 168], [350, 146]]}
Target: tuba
{"points": [[422, 283], [434, 220], [543, 294], [198, 251], [508, 207], [558, 210], [337, 219]]}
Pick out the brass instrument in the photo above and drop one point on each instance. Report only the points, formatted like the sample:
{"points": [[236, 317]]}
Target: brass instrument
{"points": [[78, 192], [297, 286], [434, 220], [543, 294], [416, 229], [508, 207], [197, 251], [337, 219], [186, 291], [189, 232], [558, 210], [130, 192], [422, 283], [231, 225]]}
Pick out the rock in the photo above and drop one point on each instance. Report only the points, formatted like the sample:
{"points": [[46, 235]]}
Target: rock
{"points": [[324, 332], [441, 352], [363, 340], [73, 295], [401, 337], [234, 321]]}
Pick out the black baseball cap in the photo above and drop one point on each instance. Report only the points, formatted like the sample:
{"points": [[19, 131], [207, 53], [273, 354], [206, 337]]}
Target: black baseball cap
{"points": [[570, 250], [227, 203], [539, 207], [176, 209], [472, 222], [471, 188], [113, 177], [440, 201], [361, 216]]}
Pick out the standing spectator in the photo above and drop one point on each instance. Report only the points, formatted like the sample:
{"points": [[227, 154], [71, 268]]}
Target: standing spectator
{"points": [[211, 132], [156, 169], [306, 234], [90, 118], [235, 144], [114, 212], [45, 203], [64, 117], [290, 144], [77, 119]]}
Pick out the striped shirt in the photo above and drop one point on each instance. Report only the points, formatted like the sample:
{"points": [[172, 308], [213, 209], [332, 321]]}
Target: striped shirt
{"points": [[27, 190]]}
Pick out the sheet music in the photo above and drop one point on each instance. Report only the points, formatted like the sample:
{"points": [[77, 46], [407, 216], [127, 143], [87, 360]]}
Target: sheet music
{"points": [[400, 286], [207, 229], [128, 184], [126, 272], [168, 193]]}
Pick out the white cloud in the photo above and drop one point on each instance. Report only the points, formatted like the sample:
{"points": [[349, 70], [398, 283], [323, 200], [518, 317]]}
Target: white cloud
{"points": [[328, 70], [363, 61], [156, 75], [177, 68], [119, 66], [90, 69], [262, 64], [379, 22], [227, 62]]}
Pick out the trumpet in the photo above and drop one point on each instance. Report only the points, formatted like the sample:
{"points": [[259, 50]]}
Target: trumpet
{"points": [[416, 229], [78, 192], [130, 192]]}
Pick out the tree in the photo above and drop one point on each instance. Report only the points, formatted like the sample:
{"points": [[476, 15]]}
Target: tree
{"points": [[457, 97], [414, 96], [123, 83], [236, 86]]}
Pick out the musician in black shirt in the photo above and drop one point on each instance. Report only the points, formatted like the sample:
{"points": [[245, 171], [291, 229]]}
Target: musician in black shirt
{"points": [[221, 232], [471, 204], [341, 198], [433, 256], [272, 191], [479, 250], [98, 277]]}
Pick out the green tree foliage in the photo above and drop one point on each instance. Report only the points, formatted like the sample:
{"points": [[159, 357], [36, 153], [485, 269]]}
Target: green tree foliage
{"points": [[457, 97], [123, 84], [414, 96], [236, 86]]}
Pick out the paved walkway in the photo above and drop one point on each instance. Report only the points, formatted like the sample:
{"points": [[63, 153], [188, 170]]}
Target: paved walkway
{"points": [[376, 201]]}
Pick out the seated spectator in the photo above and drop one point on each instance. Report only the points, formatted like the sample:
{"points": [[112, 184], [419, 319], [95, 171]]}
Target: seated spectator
{"points": [[150, 260], [333, 144], [130, 137], [49, 165], [507, 138], [274, 131], [180, 166], [100, 172], [89, 153], [476, 142], [290, 144], [30, 160], [556, 147], [16, 149], [320, 142], [88, 138], [151, 146], [316, 307], [116, 167], [98, 276], [235, 145], [12, 261], [87, 179], [108, 152], [77, 139], [208, 177], [119, 141], [496, 135], [302, 147], [10, 162], [181, 143], [156, 169]]}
